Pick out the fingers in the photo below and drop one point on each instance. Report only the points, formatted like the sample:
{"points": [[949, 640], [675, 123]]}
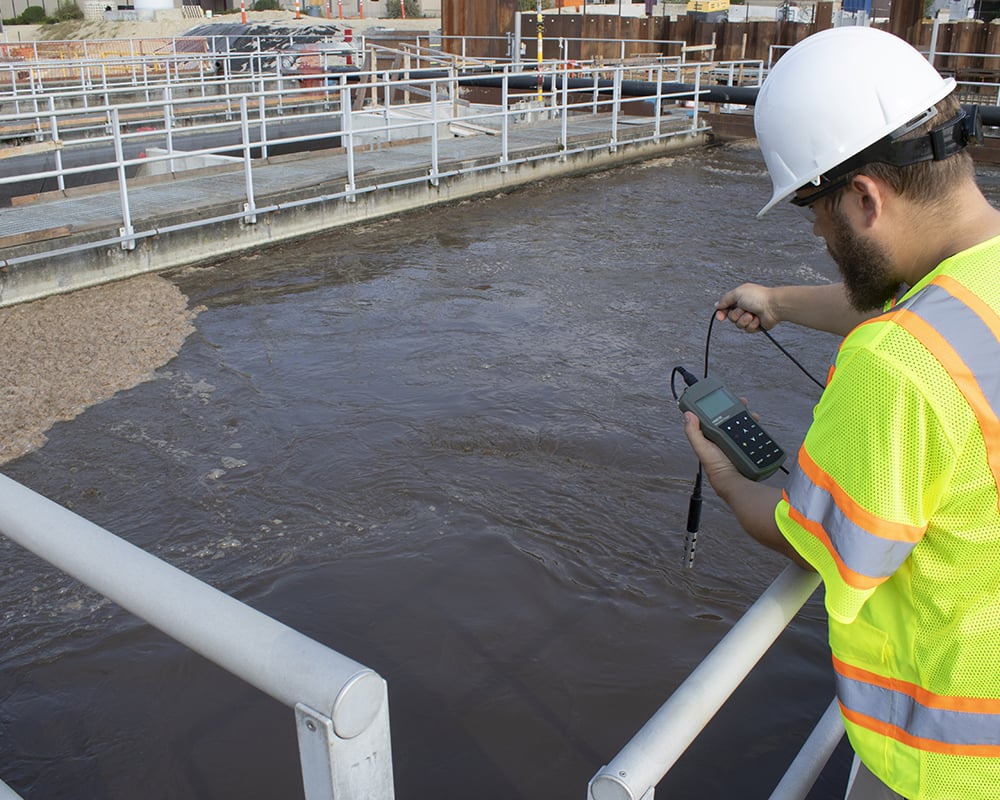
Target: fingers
{"points": [[703, 448], [692, 427], [747, 307], [741, 318], [715, 462]]}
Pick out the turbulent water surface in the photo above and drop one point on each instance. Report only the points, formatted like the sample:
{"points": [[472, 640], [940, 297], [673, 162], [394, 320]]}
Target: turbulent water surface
{"points": [[445, 445]]}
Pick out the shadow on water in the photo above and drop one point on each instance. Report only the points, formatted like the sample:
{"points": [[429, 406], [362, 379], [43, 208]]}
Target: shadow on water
{"points": [[444, 445]]}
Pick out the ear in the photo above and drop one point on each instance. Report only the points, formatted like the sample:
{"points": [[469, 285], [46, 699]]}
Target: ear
{"points": [[869, 196]]}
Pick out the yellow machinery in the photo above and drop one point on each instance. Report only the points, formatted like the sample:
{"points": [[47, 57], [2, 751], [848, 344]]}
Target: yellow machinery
{"points": [[708, 10]]}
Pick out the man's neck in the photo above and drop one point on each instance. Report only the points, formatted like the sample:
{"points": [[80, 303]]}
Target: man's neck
{"points": [[934, 234]]}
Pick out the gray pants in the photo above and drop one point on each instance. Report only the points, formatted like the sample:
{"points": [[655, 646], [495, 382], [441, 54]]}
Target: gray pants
{"points": [[863, 785]]}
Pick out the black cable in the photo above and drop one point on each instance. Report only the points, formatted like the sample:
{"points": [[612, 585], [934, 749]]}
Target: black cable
{"points": [[708, 340], [791, 358], [774, 341], [689, 379]]}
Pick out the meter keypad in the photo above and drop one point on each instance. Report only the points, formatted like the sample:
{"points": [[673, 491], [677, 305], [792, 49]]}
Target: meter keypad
{"points": [[758, 446]]}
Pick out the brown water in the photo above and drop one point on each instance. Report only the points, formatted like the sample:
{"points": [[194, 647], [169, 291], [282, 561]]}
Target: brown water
{"points": [[444, 445]]}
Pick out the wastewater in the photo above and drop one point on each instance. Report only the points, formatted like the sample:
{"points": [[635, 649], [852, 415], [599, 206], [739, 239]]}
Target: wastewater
{"points": [[444, 444]]}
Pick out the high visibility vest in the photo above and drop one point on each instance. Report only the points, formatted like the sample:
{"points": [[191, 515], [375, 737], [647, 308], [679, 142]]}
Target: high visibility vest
{"points": [[894, 501]]}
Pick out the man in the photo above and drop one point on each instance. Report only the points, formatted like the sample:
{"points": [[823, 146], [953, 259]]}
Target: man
{"points": [[894, 499]]}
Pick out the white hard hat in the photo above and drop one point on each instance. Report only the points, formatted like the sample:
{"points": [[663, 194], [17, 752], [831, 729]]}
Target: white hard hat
{"points": [[834, 94]]}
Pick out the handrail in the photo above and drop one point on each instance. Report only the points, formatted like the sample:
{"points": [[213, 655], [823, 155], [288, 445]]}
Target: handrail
{"points": [[328, 690], [808, 764], [6, 793], [375, 124], [97, 74], [649, 755]]}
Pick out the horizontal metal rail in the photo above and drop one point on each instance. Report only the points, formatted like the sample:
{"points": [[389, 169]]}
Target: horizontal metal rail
{"points": [[334, 697], [649, 755], [91, 74], [373, 123]]}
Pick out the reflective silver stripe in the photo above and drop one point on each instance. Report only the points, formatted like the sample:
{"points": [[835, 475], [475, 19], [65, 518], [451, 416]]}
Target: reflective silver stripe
{"points": [[969, 336], [903, 711], [862, 551]]}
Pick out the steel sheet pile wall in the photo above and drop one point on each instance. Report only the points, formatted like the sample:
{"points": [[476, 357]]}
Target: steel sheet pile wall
{"points": [[966, 36], [474, 18], [602, 34], [496, 18], [733, 40]]}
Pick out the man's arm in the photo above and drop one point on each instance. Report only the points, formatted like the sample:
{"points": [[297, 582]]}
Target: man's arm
{"points": [[824, 307]]}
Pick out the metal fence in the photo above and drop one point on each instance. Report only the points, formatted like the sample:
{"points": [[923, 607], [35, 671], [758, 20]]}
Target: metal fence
{"points": [[341, 706], [634, 772], [346, 109]]}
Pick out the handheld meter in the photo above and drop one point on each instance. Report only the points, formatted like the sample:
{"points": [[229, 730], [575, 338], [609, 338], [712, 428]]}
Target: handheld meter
{"points": [[726, 421]]}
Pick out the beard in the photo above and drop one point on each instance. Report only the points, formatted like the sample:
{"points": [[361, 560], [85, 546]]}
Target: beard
{"points": [[864, 265]]}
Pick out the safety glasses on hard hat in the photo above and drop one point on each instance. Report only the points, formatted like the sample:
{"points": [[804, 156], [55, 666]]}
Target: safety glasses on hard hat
{"points": [[806, 203]]}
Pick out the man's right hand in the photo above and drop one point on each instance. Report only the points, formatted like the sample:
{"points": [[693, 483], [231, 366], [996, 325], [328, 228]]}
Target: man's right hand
{"points": [[748, 307]]}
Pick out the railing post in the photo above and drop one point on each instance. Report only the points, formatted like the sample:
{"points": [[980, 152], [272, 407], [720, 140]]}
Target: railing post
{"points": [[14, 90], [347, 132], [35, 91], [262, 115], [54, 127], [616, 104], [281, 85], [659, 101], [697, 98], [104, 84], [815, 753], [335, 767], [434, 176], [505, 121], [564, 133], [934, 36], [249, 207], [126, 231], [168, 125]]}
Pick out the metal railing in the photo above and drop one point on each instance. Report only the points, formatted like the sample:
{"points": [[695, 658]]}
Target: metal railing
{"points": [[84, 80], [253, 118], [341, 707], [634, 772]]}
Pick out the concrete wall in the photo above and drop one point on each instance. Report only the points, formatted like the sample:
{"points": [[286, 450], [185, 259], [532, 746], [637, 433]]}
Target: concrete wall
{"points": [[66, 272]]}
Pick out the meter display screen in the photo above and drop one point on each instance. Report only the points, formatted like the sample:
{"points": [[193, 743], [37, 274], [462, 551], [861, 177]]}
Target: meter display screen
{"points": [[714, 403]]}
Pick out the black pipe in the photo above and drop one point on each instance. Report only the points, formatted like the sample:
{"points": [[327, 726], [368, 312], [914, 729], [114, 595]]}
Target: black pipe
{"points": [[990, 114], [710, 94], [737, 95]]}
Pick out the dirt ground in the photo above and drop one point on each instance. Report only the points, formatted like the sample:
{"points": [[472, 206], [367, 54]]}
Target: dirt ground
{"points": [[67, 352]]}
